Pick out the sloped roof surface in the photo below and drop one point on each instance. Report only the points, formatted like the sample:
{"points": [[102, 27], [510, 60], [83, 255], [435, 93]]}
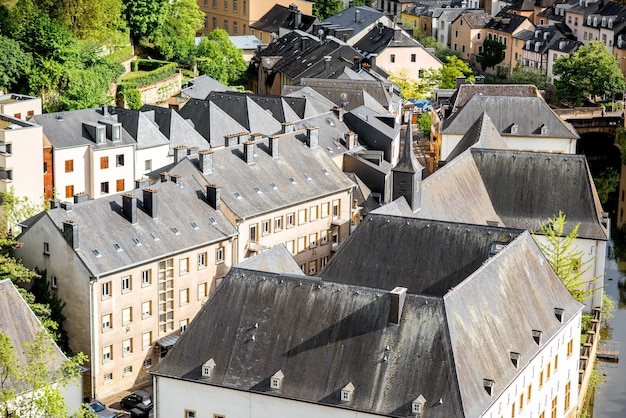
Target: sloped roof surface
{"points": [[466, 91], [174, 127], [276, 259], [200, 87], [100, 224], [482, 134], [145, 131], [319, 354], [283, 17], [454, 252], [347, 18], [316, 103], [476, 19], [510, 25], [203, 114], [382, 37]]}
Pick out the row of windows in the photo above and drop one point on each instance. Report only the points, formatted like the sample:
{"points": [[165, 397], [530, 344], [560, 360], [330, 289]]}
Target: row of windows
{"points": [[311, 241], [289, 221], [214, 24], [104, 162], [311, 268], [226, 4], [19, 115], [104, 188]]}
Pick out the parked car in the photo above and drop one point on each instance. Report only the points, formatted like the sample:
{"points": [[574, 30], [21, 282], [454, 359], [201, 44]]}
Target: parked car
{"points": [[139, 399], [101, 411]]}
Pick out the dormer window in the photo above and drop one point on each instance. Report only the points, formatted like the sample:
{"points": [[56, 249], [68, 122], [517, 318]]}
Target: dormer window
{"points": [[514, 128], [489, 384], [276, 381], [589, 20], [417, 406], [515, 358], [537, 336], [208, 368], [544, 130], [604, 21], [558, 312], [347, 392]]}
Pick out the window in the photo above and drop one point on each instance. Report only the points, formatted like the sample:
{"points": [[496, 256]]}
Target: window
{"points": [[147, 363], [455, 46], [336, 209], [69, 166], [219, 255], [184, 266], [203, 290], [301, 216], [146, 277], [540, 379], [119, 160], [556, 362], [107, 354], [127, 347], [126, 284], [521, 401], [265, 227], [301, 244], [184, 297], [323, 261], [69, 191], [325, 209], [226, 25], [313, 213], [147, 164], [146, 309], [119, 185], [392, 58], [106, 290], [245, 6], [17, 116], [568, 388], [234, 5], [555, 401], [183, 325], [478, 36], [235, 28], [214, 4], [548, 371], [413, 58], [253, 233], [190, 414], [127, 315], [312, 267], [530, 393], [456, 33], [201, 261], [290, 246], [53, 282], [104, 187], [463, 48], [108, 377], [214, 23], [313, 240], [225, 4], [290, 220], [278, 223], [106, 322], [146, 340], [570, 347], [104, 163], [128, 369]]}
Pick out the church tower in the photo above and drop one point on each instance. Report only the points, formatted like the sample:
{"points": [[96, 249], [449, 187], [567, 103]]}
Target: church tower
{"points": [[406, 176]]}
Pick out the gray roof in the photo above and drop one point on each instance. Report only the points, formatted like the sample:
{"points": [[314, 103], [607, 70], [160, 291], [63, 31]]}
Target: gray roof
{"points": [[145, 131], [174, 127], [515, 188], [101, 224], [347, 18], [331, 132], [468, 90], [482, 134], [476, 19], [504, 113], [202, 113], [65, 129], [276, 259], [245, 41], [280, 16], [381, 37], [19, 323], [316, 103], [295, 160], [200, 87], [357, 92]]}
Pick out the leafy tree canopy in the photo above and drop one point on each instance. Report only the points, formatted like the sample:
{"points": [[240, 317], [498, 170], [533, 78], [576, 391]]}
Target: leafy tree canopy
{"points": [[492, 55], [525, 75], [175, 39], [442, 51], [454, 67], [14, 62], [424, 122], [589, 72], [144, 17], [413, 88], [325, 8], [220, 59]]}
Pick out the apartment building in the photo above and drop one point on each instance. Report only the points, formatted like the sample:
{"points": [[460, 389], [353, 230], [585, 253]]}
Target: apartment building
{"points": [[466, 32], [19, 106], [502, 28]]}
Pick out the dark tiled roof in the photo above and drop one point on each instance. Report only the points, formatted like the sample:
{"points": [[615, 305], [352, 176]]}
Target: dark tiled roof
{"points": [[283, 17], [466, 91], [348, 18], [506, 22], [200, 87], [174, 127], [475, 19], [482, 134], [382, 37]]}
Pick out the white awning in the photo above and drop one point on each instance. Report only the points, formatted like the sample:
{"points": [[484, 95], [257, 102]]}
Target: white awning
{"points": [[167, 341]]}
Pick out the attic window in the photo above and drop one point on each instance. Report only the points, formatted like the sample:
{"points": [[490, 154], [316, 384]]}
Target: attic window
{"points": [[496, 247], [292, 180], [274, 186], [417, 406], [544, 130], [308, 176], [237, 195], [137, 241], [212, 220], [258, 189], [276, 381], [326, 173], [537, 336], [154, 236], [558, 312], [488, 384], [96, 252], [194, 225], [208, 368], [176, 231], [515, 358], [117, 247], [514, 128], [347, 392]]}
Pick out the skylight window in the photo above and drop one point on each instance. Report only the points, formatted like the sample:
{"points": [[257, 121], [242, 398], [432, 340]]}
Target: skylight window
{"points": [[137, 241], [96, 252], [117, 247], [274, 186], [292, 180], [212, 220], [237, 195], [326, 173], [308, 176], [194, 225], [154, 236], [176, 231], [258, 189]]}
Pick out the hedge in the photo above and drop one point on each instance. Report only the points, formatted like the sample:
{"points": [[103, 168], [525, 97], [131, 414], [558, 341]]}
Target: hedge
{"points": [[158, 70], [121, 54]]}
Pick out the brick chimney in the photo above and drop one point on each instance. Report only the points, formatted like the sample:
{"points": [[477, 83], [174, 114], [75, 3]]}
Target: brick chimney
{"points": [[339, 111], [129, 207], [81, 197], [213, 196], [288, 127], [350, 138], [273, 141], [248, 152], [142, 182], [150, 202], [205, 159], [180, 152], [70, 233], [312, 137]]}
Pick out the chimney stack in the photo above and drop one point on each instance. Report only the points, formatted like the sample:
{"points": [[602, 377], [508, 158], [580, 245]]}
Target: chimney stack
{"points": [[398, 295], [357, 16], [303, 43], [373, 60], [339, 112], [180, 152], [142, 182], [397, 35], [231, 139], [288, 127], [150, 202], [54, 203], [274, 146], [70, 233], [248, 152], [312, 137], [460, 80], [129, 207], [206, 161], [163, 177], [213, 196], [81, 197], [67, 206], [327, 61], [298, 18], [350, 138], [176, 179]]}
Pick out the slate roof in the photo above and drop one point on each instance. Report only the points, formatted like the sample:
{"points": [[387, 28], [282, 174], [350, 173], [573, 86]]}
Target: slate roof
{"points": [[245, 41], [65, 129], [316, 103], [506, 22], [466, 91], [347, 18], [200, 87], [363, 195], [295, 160], [365, 117], [516, 189], [174, 127], [504, 113], [476, 19], [201, 113], [100, 224], [382, 37], [283, 17], [331, 132], [19, 323], [353, 93], [145, 131], [482, 134], [276, 259]]}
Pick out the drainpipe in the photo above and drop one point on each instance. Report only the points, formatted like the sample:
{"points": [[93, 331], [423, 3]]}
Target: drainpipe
{"points": [[93, 359]]}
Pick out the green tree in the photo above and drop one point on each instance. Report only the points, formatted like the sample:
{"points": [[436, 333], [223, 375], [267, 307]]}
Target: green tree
{"points": [[14, 62], [442, 51], [144, 17], [412, 88], [564, 255], [86, 19], [606, 182], [492, 55], [175, 39], [454, 67], [220, 59], [15, 209], [589, 72], [34, 376], [424, 122], [526, 75], [326, 8]]}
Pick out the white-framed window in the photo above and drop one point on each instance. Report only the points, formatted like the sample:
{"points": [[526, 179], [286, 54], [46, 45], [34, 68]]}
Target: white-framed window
{"points": [[126, 284], [106, 290], [183, 324], [184, 266], [184, 296], [323, 261], [325, 209], [265, 227], [127, 347], [146, 340], [108, 377], [278, 223], [219, 255], [254, 233], [336, 208], [291, 220], [301, 216], [313, 240], [203, 290], [146, 309], [128, 370], [301, 244], [107, 353], [119, 160], [313, 213], [201, 261], [106, 322], [147, 164], [324, 237], [127, 315], [146, 277], [312, 267]]}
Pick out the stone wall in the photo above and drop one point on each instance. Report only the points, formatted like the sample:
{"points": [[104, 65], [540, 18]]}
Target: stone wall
{"points": [[161, 91]]}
